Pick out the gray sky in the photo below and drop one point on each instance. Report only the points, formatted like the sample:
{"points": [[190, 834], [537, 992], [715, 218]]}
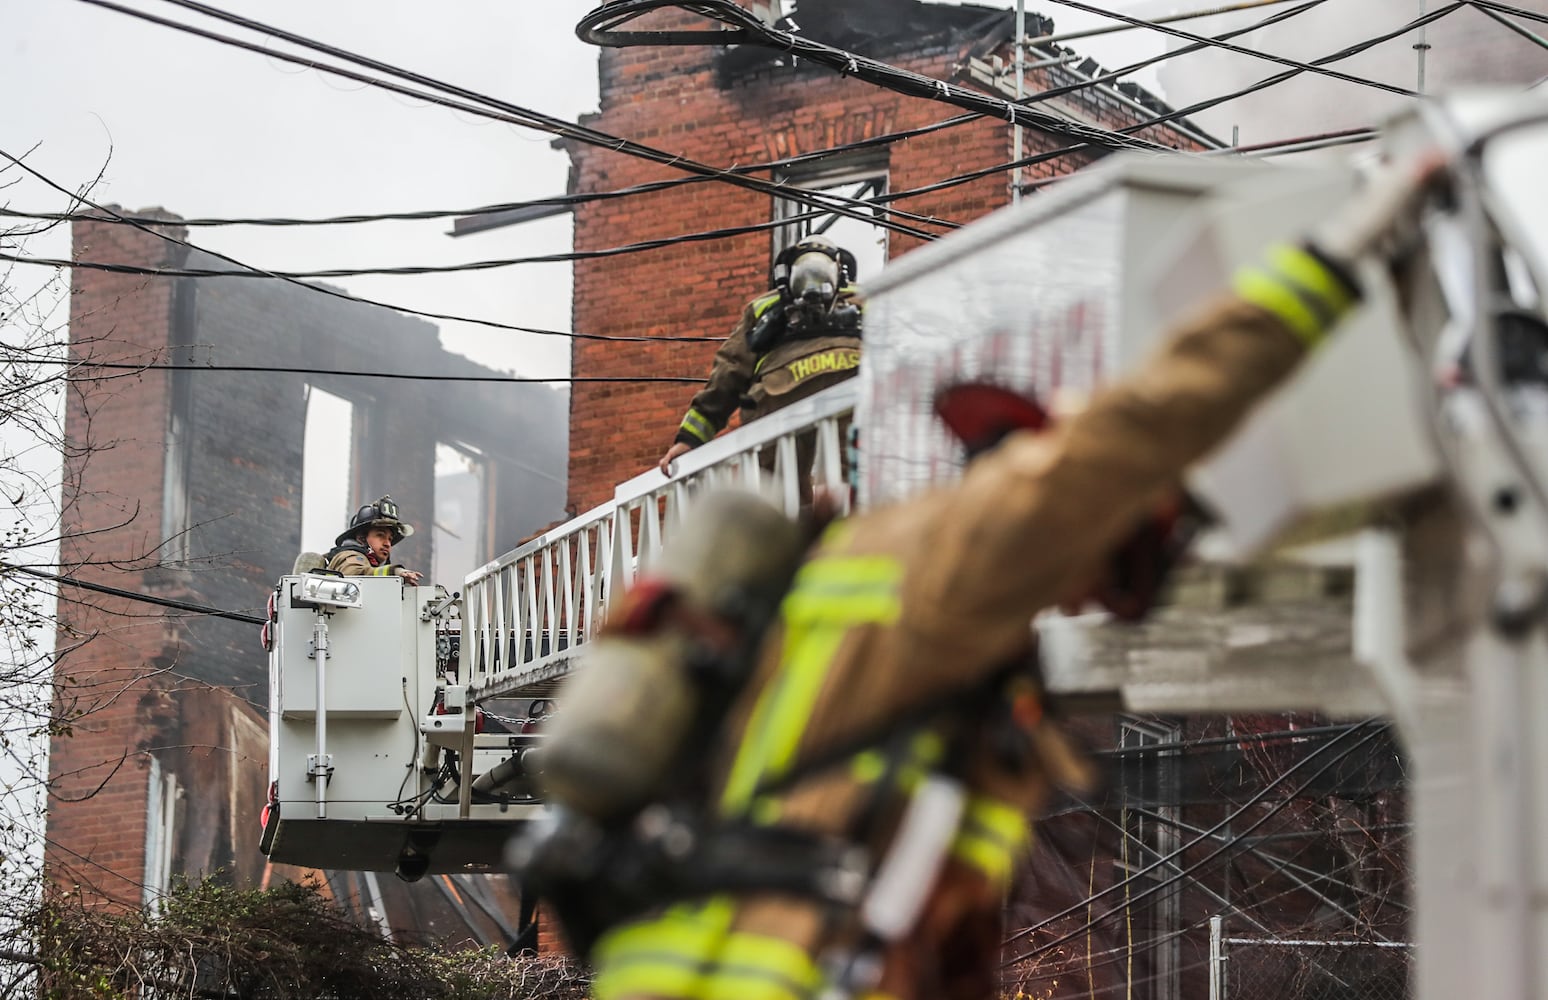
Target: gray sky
{"points": [[203, 129]]}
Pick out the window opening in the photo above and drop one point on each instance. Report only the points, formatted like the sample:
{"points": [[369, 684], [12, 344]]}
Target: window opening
{"points": [[866, 240], [327, 461], [461, 537]]}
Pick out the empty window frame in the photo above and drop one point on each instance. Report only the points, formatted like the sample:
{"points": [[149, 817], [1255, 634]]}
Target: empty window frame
{"points": [[327, 468], [463, 532], [865, 181]]}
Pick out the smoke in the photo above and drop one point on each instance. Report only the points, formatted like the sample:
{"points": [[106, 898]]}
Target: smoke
{"points": [[1466, 47]]}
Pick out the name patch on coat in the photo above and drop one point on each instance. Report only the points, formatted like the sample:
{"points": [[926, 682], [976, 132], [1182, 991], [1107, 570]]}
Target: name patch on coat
{"points": [[840, 359]]}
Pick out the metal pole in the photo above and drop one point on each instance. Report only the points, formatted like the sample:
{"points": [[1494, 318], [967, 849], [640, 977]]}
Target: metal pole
{"points": [[319, 768], [1216, 959], [1422, 46], [1021, 71]]}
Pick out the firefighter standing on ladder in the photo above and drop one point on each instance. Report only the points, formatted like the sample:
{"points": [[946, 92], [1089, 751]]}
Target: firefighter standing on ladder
{"points": [[912, 605], [799, 338]]}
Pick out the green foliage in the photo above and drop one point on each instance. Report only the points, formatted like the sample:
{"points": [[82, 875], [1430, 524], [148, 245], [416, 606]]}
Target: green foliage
{"points": [[217, 942]]}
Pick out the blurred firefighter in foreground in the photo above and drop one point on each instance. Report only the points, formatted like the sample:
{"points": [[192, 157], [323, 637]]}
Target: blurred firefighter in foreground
{"points": [[798, 338], [831, 806], [365, 547]]}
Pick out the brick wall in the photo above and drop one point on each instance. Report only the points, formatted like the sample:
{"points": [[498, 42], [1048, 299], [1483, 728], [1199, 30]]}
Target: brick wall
{"points": [[674, 99], [112, 477], [190, 691]]}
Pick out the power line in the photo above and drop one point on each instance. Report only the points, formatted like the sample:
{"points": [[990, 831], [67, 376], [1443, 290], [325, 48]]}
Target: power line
{"points": [[599, 27], [1114, 75], [495, 108], [470, 266], [318, 289], [129, 595], [1267, 82], [655, 186], [646, 245], [1189, 36], [1223, 824], [351, 373], [1521, 30]]}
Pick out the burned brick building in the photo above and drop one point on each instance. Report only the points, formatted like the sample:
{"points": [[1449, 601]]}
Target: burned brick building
{"points": [[750, 105], [184, 482]]}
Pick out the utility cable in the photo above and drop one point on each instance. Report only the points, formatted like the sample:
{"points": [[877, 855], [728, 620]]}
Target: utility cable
{"points": [[490, 107], [1489, 11], [1183, 873], [1505, 8], [1376, 730], [783, 163], [1279, 78], [163, 602], [351, 373], [1112, 29], [1243, 50], [318, 289], [655, 186], [600, 27], [1167, 117], [479, 265]]}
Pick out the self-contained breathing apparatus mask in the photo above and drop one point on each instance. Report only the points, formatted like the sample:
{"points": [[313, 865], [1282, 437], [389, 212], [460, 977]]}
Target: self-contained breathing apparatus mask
{"points": [[809, 276]]}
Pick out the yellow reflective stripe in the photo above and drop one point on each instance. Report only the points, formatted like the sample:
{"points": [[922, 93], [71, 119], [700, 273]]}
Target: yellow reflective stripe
{"points": [[1313, 276], [386, 570], [782, 711], [756, 967], [686, 929], [762, 304], [662, 978], [988, 856], [868, 766], [830, 596], [663, 956], [690, 952], [1272, 294], [853, 590], [1003, 821], [991, 834], [1297, 288], [698, 425]]}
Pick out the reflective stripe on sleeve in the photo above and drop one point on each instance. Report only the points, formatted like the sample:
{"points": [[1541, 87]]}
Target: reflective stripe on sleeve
{"points": [[698, 425], [388, 570], [1297, 288]]}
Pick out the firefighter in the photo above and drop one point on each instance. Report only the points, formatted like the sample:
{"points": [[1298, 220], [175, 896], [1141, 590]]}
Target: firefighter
{"points": [[365, 547], [861, 713], [800, 337]]}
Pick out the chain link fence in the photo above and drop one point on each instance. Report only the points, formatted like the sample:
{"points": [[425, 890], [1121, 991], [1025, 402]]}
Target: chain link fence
{"points": [[1246, 968]]}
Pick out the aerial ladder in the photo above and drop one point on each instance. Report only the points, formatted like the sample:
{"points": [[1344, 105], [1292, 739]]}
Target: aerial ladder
{"points": [[1421, 432]]}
